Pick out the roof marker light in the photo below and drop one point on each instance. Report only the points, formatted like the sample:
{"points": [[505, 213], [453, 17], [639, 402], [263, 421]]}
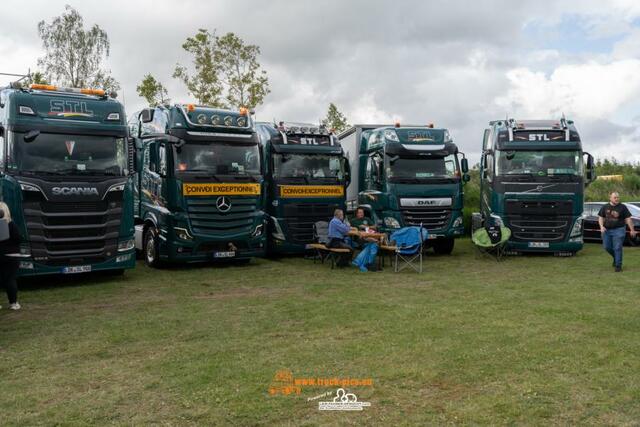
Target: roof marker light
{"points": [[244, 111], [85, 91], [191, 107], [397, 124]]}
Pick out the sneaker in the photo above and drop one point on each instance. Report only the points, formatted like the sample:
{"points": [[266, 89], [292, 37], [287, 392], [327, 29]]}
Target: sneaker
{"points": [[618, 269], [14, 306]]}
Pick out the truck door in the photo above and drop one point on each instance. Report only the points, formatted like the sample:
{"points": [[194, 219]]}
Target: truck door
{"points": [[154, 160]]}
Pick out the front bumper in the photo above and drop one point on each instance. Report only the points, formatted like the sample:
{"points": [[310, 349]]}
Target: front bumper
{"points": [[203, 250], [124, 260]]}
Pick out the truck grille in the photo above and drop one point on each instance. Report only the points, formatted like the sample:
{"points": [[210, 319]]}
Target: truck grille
{"points": [[539, 220], [300, 217], [72, 233], [206, 218], [431, 218]]}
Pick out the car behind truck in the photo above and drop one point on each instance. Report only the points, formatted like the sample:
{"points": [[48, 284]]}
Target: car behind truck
{"points": [[65, 174], [306, 174], [532, 181], [199, 193], [407, 176]]}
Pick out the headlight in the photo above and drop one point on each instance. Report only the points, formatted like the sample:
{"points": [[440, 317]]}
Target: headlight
{"points": [[458, 222], [28, 187], [277, 234], [258, 231], [576, 231], [391, 135], [497, 220], [126, 245], [228, 121], [215, 119], [202, 119], [391, 222], [241, 121], [182, 233]]}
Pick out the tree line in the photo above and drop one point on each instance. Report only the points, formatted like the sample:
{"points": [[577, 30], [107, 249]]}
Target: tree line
{"points": [[224, 72]]}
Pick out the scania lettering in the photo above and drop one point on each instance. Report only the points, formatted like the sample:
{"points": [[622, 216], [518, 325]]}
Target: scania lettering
{"points": [[200, 194], [533, 178], [306, 178], [66, 168], [407, 176]]}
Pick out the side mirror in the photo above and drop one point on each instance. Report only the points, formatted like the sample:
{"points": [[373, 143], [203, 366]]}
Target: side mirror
{"points": [[466, 177], [31, 135], [591, 170], [464, 165], [347, 171], [146, 115]]}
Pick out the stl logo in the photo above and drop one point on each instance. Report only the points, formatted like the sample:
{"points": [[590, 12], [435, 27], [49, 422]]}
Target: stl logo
{"points": [[283, 383]]}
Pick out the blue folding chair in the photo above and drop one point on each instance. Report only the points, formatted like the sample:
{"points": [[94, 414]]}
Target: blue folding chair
{"points": [[409, 245]]}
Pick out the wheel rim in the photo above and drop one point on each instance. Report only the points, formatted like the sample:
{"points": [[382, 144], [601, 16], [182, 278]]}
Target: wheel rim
{"points": [[151, 249]]}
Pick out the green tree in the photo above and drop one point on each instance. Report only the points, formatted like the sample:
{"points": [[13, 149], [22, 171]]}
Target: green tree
{"points": [[153, 91], [36, 78], [204, 84], [245, 83], [335, 119], [74, 56]]}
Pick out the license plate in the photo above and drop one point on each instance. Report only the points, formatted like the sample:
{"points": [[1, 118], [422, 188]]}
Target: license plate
{"points": [[76, 269], [229, 254], [538, 244]]}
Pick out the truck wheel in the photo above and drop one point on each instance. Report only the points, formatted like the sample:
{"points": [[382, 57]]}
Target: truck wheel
{"points": [[443, 246], [150, 248]]}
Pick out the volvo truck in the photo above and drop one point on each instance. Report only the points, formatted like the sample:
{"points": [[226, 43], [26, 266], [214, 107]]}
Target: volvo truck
{"points": [[533, 178], [65, 172], [408, 176], [306, 176], [199, 192]]}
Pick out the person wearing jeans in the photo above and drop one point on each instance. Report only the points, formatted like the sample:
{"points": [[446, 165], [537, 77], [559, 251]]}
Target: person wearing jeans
{"points": [[613, 219]]}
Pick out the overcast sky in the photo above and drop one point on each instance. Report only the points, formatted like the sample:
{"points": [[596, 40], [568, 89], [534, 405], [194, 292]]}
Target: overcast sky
{"points": [[457, 64]]}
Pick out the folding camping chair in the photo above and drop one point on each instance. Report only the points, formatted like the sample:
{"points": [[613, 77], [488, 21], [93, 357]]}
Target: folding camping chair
{"points": [[482, 241], [409, 243], [323, 252]]}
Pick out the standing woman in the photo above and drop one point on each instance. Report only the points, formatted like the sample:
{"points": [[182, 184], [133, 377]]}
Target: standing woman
{"points": [[9, 244]]}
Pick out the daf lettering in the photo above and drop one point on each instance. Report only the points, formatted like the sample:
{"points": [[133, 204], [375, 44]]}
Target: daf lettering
{"points": [[75, 191]]}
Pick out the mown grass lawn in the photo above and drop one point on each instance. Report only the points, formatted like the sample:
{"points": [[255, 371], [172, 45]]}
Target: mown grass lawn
{"points": [[532, 340]]}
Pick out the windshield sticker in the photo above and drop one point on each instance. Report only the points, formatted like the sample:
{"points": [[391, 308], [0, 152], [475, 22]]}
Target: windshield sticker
{"points": [[60, 108], [70, 145], [419, 136]]}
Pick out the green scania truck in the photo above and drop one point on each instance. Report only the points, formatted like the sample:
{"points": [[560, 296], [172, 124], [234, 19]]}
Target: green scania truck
{"points": [[65, 172], [408, 176], [533, 177], [199, 193], [306, 177]]}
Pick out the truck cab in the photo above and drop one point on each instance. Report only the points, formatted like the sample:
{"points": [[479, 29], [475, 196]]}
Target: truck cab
{"points": [[306, 174], [65, 172], [533, 178], [199, 192], [408, 176]]}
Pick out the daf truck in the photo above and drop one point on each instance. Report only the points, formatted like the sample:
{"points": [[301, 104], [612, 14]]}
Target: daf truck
{"points": [[199, 192], [533, 178], [306, 176], [65, 172], [408, 176]]}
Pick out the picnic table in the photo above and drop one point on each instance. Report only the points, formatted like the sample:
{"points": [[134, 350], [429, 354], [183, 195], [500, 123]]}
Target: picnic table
{"points": [[379, 237]]}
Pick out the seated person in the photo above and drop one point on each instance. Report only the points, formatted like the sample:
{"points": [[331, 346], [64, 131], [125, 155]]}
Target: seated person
{"points": [[338, 230], [361, 222]]}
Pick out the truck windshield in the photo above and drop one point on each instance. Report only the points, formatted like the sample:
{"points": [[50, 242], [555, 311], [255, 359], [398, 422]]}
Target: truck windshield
{"points": [[218, 158], [308, 166], [418, 168], [539, 163], [51, 153]]}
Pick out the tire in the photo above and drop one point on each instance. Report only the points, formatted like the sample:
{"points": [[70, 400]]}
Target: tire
{"points": [[443, 246], [151, 252]]}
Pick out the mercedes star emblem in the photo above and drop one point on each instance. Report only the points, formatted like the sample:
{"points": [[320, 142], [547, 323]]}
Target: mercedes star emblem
{"points": [[223, 204]]}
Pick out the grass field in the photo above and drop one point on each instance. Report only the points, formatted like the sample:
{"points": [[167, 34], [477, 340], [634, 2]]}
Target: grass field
{"points": [[532, 340]]}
